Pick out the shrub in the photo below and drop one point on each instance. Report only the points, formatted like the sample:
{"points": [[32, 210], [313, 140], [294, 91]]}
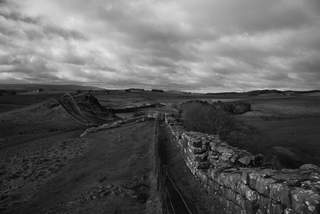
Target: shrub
{"points": [[233, 107], [203, 117]]}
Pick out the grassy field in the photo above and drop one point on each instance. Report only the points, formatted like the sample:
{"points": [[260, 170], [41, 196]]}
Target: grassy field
{"points": [[292, 123], [45, 167], [298, 106]]}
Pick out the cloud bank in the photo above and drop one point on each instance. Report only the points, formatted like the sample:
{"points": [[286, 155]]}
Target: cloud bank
{"points": [[208, 45]]}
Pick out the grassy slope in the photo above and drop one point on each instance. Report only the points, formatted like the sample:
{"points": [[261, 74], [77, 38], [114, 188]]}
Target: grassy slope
{"points": [[25, 97], [118, 157], [31, 122], [10, 102]]}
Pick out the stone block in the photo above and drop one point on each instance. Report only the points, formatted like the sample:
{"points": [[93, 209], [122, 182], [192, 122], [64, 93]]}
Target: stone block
{"points": [[245, 176], [246, 160], [252, 195], [258, 182], [200, 157], [214, 156], [203, 165], [280, 192], [231, 180], [198, 150], [224, 149], [203, 176], [212, 174], [305, 201], [248, 193]]}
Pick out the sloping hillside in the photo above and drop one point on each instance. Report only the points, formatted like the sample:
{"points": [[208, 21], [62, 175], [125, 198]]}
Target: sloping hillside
{"points": [[31, 122], [50, 117], [86, 109]]}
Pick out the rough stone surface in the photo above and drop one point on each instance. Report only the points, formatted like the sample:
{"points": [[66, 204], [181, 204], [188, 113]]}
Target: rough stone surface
{"points": [[236, 181]]}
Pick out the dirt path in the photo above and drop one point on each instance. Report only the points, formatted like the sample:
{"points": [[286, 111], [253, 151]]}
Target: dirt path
{"points": [[111, 177]]}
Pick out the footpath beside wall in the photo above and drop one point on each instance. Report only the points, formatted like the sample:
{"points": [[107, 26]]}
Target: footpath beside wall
{"points": [[236, 181]]}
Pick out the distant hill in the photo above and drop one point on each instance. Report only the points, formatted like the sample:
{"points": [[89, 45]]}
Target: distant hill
{"points": [[279, 92], [267, 92], [46, 87]]}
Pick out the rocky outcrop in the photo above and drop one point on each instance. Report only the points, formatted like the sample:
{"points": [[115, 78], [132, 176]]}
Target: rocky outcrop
{"points": [[238, 183]]}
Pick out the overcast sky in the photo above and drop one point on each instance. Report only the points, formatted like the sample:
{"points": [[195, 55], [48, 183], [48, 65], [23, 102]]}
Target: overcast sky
{"points": [[195, 45]]}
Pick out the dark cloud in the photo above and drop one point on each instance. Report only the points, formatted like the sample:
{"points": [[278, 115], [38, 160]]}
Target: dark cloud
{"points": [[184, 44], [14, 16]]}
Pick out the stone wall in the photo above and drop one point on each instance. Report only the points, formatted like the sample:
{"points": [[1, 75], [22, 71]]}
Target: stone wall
{"points": [[238, 183]]}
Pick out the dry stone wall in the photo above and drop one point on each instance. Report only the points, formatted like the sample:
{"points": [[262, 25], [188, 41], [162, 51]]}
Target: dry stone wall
{"points": [[238, 183]]}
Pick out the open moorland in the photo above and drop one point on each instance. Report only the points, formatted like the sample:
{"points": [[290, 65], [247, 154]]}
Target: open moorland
{"points": [[88, 150]]}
